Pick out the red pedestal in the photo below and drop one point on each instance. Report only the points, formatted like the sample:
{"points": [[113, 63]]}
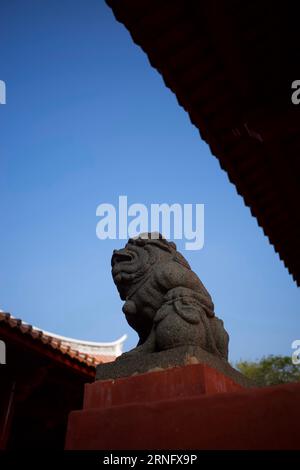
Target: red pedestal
{"points": [[190, 407]]}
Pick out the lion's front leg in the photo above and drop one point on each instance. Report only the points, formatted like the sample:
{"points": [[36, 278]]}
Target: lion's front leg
{"points": [[147, 347]]}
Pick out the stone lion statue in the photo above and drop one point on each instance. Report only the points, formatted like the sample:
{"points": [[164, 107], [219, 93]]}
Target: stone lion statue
{"points": [[165, 301]]}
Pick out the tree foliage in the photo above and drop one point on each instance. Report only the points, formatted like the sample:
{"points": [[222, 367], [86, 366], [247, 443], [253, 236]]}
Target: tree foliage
{"points": [[270, 370]]}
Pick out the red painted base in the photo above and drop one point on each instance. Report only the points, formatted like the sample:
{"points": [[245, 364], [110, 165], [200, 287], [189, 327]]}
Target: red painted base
{"points": [[191, 407]]}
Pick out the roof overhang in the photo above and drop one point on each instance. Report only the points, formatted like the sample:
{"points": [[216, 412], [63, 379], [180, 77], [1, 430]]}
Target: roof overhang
{"points": [[231, 65]]}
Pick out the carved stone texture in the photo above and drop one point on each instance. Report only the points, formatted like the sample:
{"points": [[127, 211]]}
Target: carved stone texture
{"points": [[165, 301]]}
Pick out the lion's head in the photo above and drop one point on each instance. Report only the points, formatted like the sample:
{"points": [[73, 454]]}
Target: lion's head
{"points": [[132, 263]]}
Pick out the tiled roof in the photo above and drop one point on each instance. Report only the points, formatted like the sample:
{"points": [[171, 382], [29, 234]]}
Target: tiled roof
{"points": [[231, 65], [88, 353]]}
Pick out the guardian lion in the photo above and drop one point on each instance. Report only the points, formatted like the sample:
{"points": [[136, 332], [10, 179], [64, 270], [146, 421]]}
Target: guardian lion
{"points": [[165, 301]]}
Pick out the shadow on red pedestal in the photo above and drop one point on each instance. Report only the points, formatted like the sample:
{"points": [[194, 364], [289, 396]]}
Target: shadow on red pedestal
{"points": [[190, 407]]}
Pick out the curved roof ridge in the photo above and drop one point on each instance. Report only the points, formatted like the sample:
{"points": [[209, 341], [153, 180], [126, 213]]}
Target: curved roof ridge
{"points": [[118, 341], [95, 349]]}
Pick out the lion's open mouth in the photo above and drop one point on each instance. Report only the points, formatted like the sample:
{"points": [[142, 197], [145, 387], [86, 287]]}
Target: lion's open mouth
{"points": [[120, 257]]}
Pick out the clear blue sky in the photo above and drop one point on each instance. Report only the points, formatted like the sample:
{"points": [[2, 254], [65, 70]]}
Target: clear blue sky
{"points": [[87, 119]]}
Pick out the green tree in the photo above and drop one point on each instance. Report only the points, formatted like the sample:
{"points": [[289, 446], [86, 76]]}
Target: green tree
{"points": [[270, 370]]}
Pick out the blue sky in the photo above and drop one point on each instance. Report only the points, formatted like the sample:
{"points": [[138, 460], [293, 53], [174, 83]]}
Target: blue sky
{"points": [[88, 119]]}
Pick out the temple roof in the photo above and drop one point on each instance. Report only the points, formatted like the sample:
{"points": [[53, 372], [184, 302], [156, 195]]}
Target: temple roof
{"points": [[231, 65], [86, 352]]}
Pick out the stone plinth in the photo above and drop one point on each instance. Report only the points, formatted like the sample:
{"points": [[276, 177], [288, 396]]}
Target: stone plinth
{"points": [[191, 407], [129, 365], [178, 382]]}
